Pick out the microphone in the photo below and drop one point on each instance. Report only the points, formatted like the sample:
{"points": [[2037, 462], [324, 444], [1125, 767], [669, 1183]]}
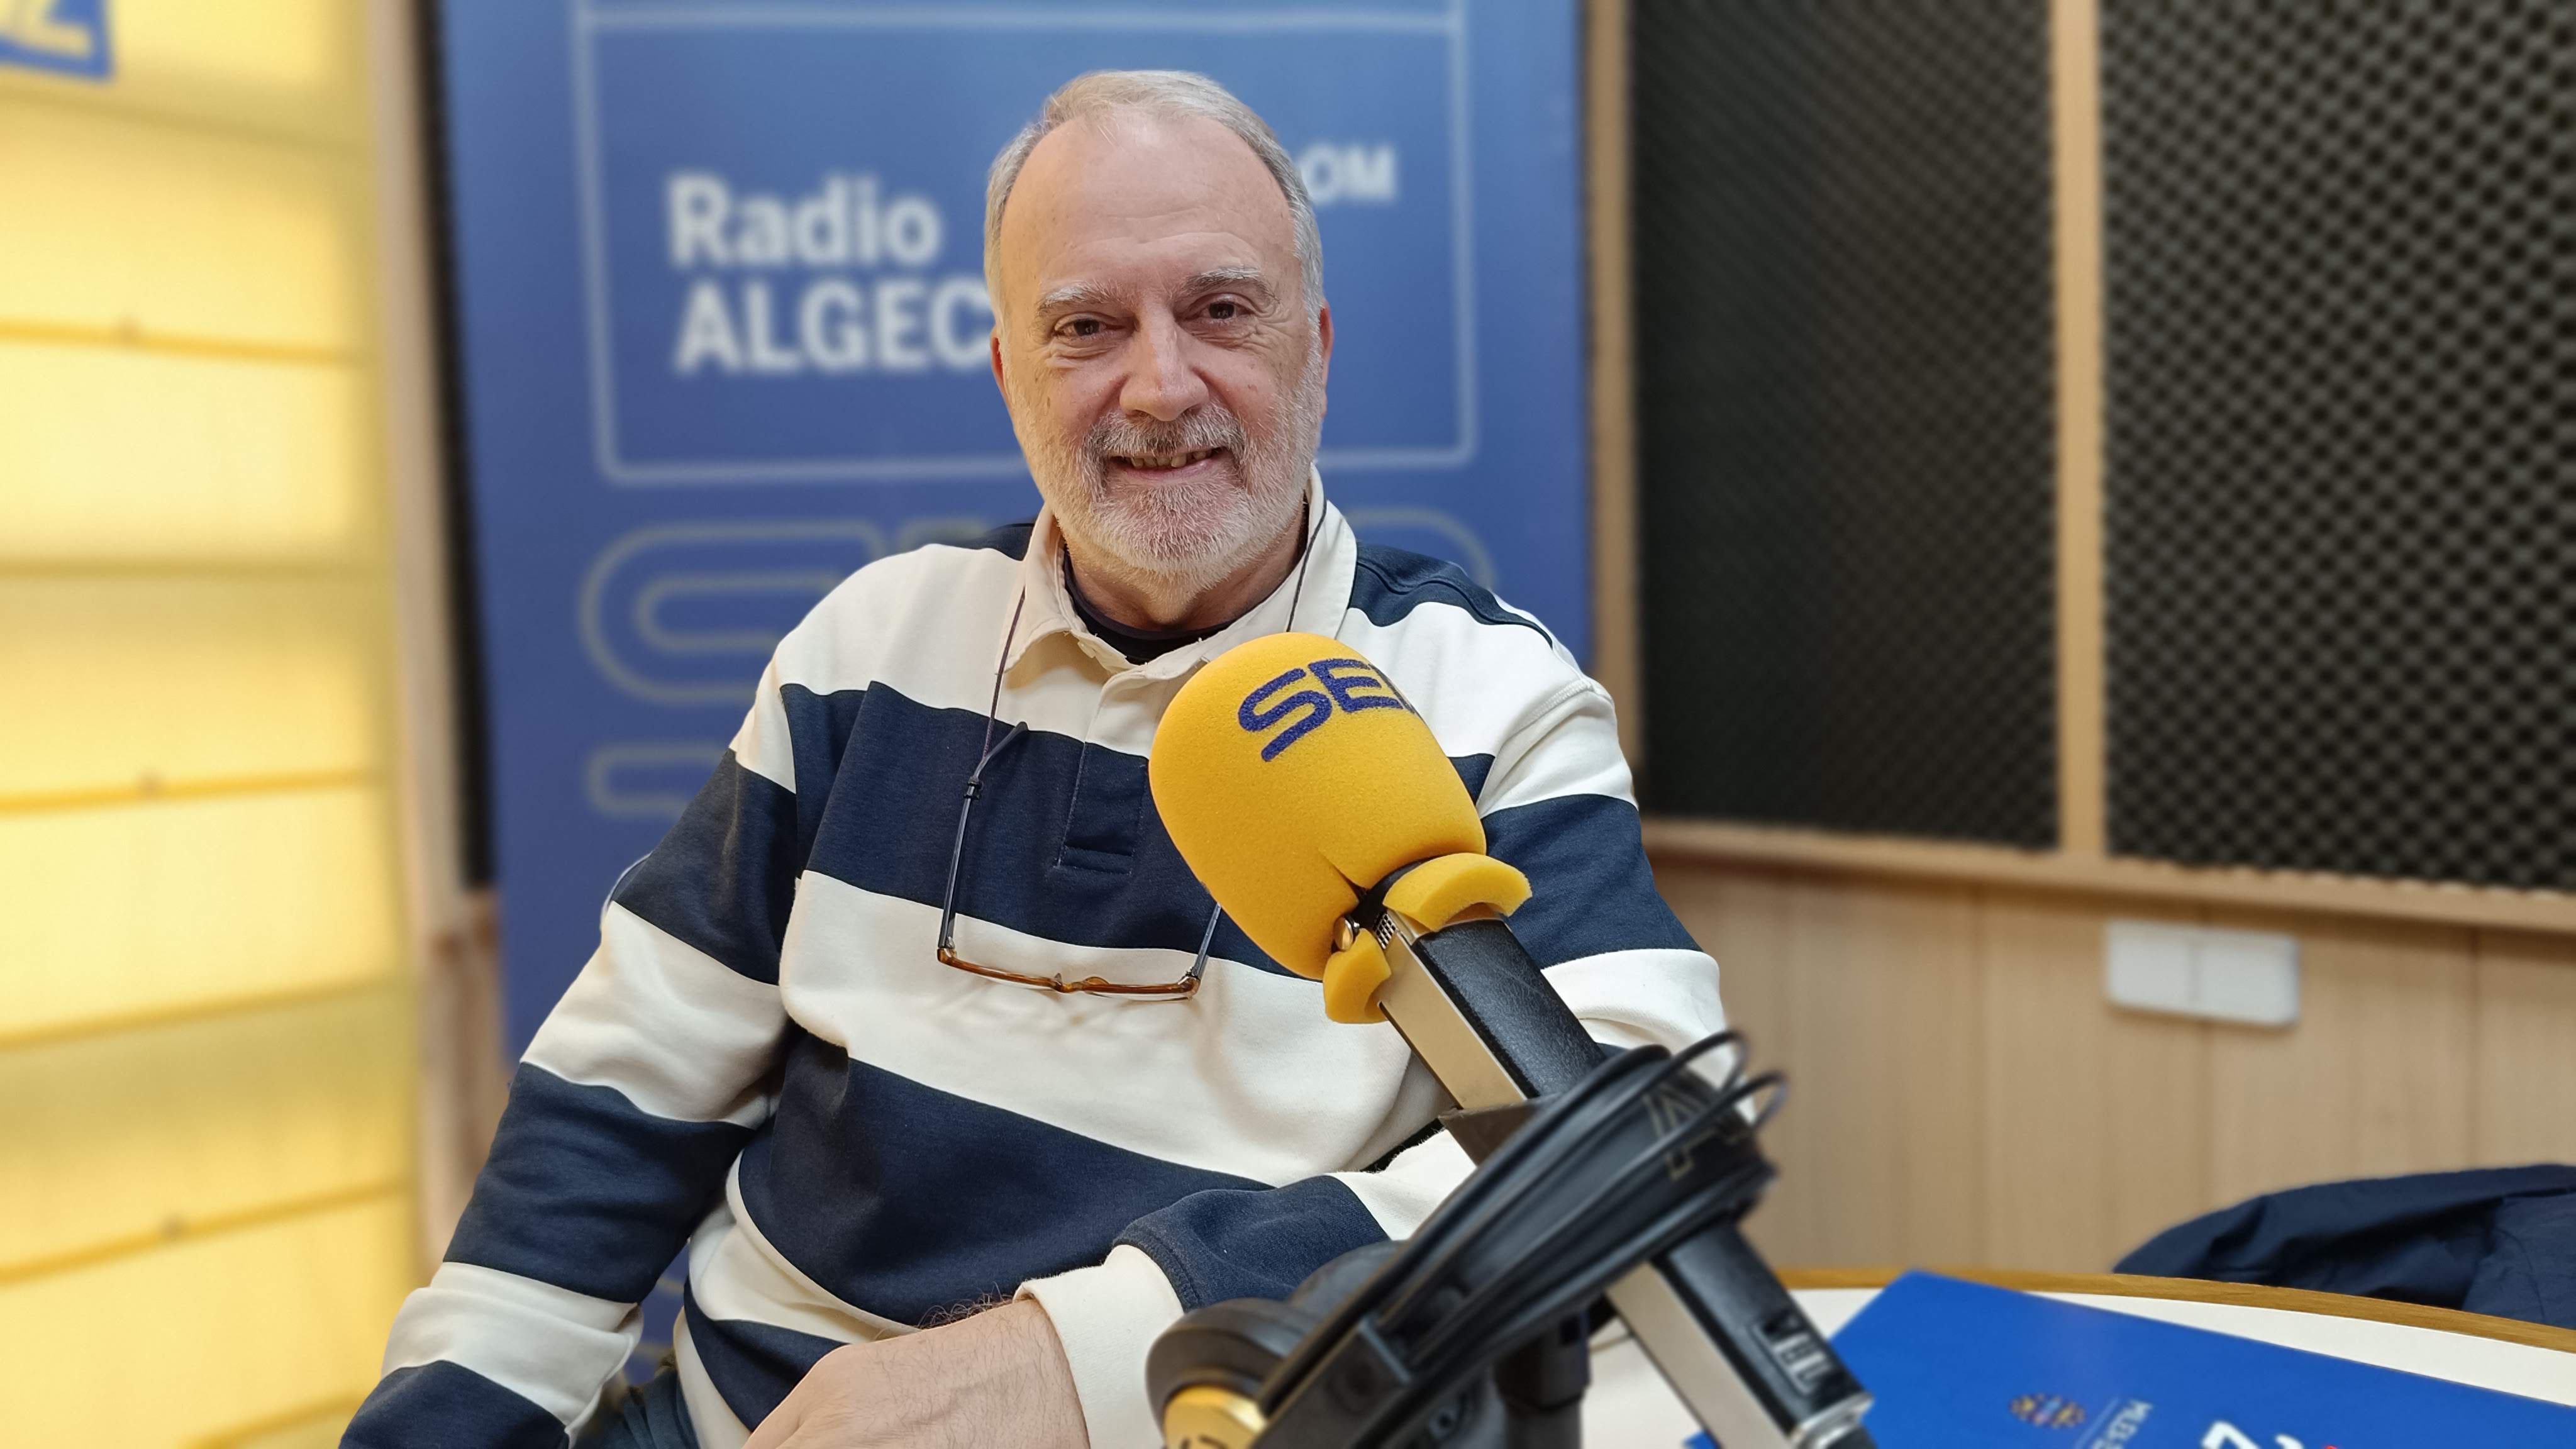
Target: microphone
{"points": [[1313, 802]]}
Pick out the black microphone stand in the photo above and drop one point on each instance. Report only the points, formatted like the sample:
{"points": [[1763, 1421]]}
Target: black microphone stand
{"points": [[1530, 1398], [1475, 1333]]}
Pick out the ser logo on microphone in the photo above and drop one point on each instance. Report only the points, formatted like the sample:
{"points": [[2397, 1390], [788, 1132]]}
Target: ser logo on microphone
{"points": [[1350, 685]]}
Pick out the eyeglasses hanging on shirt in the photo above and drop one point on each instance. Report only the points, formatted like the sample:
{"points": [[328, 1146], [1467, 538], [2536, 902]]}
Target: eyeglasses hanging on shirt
{"points": [[1180, 990]]}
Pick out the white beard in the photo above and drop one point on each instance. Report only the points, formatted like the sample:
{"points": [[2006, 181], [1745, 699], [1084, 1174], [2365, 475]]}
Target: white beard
{"points": [[1184, 536]]}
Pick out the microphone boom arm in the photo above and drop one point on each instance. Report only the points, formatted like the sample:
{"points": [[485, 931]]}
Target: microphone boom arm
{"points": [[1478, 1011]]}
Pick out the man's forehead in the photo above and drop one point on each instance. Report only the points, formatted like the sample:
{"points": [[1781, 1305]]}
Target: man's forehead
{"points": [[1135, 201]]}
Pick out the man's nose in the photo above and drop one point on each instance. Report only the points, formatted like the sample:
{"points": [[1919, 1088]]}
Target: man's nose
{"points": [[1162, 380]]}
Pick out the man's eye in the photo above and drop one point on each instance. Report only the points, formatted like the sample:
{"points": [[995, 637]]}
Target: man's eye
{"points": [[1224, 311], [1082, 327]]}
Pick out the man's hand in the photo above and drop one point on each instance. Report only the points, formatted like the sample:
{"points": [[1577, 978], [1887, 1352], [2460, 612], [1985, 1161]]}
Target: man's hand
{"points": [[996, 1379]]}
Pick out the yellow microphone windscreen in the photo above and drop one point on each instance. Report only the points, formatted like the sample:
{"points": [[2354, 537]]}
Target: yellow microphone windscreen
{"points": [[1293, 777]]}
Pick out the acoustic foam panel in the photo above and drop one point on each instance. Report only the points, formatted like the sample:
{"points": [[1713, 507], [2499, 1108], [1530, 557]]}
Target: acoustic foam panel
{"points": [[2341, 498], [1844, 313]]}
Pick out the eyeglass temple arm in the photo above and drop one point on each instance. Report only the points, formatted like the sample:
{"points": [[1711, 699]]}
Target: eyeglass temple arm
{"points": [[957, 847], [957, 859], [1207, 938]]}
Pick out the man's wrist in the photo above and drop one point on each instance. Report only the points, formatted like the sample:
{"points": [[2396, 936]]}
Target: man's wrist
{"points": [[1028, 1363]]}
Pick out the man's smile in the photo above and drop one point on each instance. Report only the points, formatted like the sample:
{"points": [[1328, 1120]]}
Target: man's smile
{"points": [[1170, 466]]}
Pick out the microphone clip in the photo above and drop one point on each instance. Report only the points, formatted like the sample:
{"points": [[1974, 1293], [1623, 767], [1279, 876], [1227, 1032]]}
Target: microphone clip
{"points": [[1411, 901]]}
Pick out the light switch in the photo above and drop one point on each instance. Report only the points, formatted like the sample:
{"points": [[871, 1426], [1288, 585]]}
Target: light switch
{"points": [[2148, 966], [2249, 977]]}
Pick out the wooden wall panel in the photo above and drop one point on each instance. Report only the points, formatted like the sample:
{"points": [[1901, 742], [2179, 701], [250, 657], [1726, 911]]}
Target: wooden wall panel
{"points": [[1743, 919], [1851, 988], [2096, 1123], [1963, 1093], [2373, 1079], [2523, 1083], [1883, 989]]}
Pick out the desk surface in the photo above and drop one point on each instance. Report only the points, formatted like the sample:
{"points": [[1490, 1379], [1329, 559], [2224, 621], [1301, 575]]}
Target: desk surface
{"points": [[1629, 1403]]}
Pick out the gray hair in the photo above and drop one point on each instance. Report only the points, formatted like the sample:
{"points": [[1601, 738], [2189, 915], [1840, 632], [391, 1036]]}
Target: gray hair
{"points": [[1170, 93]]}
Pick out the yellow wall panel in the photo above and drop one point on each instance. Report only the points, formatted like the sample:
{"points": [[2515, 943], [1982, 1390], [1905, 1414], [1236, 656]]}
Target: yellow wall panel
{"points": [[299, 50], [112, 223], [284, 65], [161, 1349], [120, 453], [184, 679], [115, 1137], [143, 907], [206, 1024], [313, 1430], [262, 58]]}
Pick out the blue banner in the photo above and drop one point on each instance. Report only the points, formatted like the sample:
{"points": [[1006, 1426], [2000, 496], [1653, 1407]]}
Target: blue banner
{"points": [[723, 321]]}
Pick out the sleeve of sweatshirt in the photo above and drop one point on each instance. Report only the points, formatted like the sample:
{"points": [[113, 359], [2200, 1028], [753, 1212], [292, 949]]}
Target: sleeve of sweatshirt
{"points": [[637, 1093], [1556, 802]]}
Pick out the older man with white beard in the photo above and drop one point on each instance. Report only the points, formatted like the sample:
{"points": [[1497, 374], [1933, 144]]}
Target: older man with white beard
{"points": [[956, 1103]]}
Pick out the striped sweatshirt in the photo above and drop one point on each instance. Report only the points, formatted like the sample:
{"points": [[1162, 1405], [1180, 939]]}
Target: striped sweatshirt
{"points": [[765, 1061]]}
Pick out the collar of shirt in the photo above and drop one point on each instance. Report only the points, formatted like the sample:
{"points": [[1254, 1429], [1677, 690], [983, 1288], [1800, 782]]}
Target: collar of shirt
{"points": [[1050, 614]]}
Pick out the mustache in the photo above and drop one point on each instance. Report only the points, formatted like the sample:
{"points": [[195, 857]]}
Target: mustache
{"points": [[1118, 435]]}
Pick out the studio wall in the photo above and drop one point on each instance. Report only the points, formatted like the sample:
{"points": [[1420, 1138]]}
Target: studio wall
{"points": [[2280, 588]]}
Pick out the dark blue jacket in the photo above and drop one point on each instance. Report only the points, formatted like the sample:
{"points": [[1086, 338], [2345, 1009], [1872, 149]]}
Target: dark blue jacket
{"points": [[2496, 1240]]}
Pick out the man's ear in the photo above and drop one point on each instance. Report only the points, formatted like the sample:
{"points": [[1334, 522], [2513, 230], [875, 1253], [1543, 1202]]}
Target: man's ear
{"points": [[1324, 344], [995, 348]]}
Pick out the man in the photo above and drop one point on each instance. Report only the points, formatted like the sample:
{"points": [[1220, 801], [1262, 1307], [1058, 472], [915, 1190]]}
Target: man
{"points": [[861, 1123]]}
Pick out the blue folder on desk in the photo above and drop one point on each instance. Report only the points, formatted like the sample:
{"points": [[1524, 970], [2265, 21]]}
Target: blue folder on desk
{"points": [[1959, 1364]]}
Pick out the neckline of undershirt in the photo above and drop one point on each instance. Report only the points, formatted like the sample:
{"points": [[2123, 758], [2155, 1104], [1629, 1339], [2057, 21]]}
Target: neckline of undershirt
{"points": [[1140, 646]]}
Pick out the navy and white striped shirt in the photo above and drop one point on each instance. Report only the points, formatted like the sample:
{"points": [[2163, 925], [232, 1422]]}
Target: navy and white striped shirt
{"points": [[766, 1062]]}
